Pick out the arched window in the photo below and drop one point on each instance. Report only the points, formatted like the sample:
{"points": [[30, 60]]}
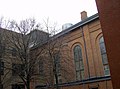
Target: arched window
{"points": [[104, 57], [78, 62]]}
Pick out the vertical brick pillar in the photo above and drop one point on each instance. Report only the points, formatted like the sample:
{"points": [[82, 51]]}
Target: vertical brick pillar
{"points": [[89, 52], [109, 13]]}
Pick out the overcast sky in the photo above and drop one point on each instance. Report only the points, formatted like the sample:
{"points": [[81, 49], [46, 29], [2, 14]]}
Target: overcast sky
{"points": [[60, 11]]}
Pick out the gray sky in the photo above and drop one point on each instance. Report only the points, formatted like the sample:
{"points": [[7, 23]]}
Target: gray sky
{"points": [[60, 11]]}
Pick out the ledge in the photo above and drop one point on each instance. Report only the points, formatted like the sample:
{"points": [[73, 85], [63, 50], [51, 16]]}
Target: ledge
{"points": [[85, 81]]}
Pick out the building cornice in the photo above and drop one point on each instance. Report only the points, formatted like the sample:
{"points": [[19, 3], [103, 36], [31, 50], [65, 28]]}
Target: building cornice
{"points": [[77, 25]]}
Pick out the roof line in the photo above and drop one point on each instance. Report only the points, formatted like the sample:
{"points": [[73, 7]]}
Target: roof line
{"points": [[79, 24]]}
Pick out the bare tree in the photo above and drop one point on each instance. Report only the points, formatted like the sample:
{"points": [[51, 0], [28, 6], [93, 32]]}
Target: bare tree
{"points": [[28, 48], [19, 39], [57, 58], [3, 72], [1, 55]]}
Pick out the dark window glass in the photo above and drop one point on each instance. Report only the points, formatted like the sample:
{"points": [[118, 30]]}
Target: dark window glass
{"points": [[106, 70], [78, 62], [14, 52], [2, 48], [2, 68], [57, 62], [94, 88], [60, 80], [41, 67], [104, 57], [18, 69], [57, 66], [102, 47], [18, 86], [1, 86]]}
